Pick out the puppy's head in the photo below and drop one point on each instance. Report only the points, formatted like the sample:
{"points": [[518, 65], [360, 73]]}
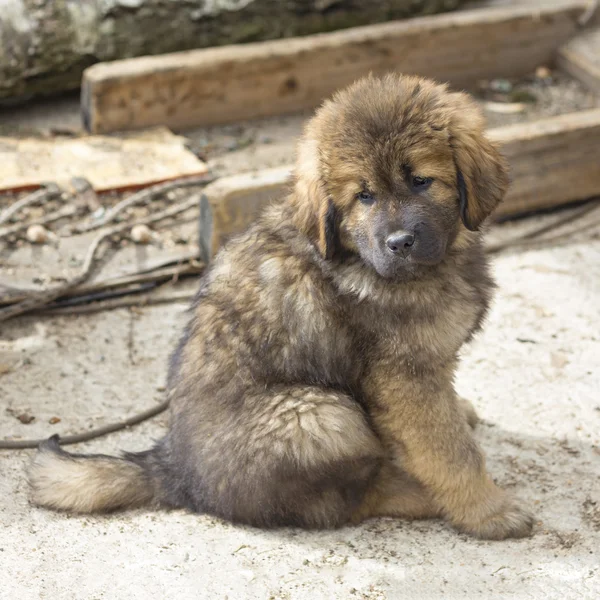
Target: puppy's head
{"points": [[397, 170]]}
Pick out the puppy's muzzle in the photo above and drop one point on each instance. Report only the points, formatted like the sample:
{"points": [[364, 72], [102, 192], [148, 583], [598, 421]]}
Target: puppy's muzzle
{"points": [[400, 242]]}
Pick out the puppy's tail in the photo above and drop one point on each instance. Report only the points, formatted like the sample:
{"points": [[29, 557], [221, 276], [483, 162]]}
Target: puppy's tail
{"points": [[91, 483]]}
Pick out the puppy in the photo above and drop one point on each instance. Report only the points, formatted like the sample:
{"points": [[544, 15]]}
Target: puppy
{"points": [[313, 385]]}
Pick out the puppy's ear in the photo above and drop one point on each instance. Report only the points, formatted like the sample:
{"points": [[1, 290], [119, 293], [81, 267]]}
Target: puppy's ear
{"points": [[315, 213], [328, 225], [482, 172]]}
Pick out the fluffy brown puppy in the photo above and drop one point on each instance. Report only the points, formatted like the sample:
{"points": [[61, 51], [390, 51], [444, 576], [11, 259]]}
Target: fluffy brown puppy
{"points": [[313, 385]]}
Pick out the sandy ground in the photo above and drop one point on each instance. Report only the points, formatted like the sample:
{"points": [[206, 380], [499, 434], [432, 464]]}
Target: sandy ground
{"points": [[533, 375]]}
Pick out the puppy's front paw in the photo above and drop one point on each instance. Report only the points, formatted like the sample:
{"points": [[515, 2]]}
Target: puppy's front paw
{"points": [[513, 520]]}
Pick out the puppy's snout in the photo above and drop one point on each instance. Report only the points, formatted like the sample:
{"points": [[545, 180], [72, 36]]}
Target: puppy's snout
{"points": [[400, 242]]}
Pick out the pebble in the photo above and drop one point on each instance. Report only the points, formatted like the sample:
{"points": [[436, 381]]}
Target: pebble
{"points": [[543, 73], [26, 418], [142, 234], [37, 234]]}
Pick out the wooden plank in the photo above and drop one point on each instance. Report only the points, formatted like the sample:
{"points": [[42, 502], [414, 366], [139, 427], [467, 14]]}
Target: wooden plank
{"points": [[580, 58], [231, 203], [230, 83], [553, 161], [108, 163]]}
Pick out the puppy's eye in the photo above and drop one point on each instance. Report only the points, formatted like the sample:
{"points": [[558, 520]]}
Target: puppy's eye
{"points": [[421, 183], [365, 197]]}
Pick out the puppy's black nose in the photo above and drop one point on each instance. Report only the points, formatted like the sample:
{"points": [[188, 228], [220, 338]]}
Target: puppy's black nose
{"points": [[400, 242]]}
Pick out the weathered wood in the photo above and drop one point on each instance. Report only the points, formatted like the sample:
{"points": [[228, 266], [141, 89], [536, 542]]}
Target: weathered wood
{"points": [[553, 161], [231, 203], [580, 58], [46, 45], [108, 163], [236, 82]]}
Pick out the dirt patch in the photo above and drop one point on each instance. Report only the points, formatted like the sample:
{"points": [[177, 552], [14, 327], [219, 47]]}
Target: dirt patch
{"points": [[590, 511], [563, 540], [535, 97]]}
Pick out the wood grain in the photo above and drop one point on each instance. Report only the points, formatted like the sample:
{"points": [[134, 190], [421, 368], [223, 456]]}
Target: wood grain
{"points": [[231, 83], [553, 161]]}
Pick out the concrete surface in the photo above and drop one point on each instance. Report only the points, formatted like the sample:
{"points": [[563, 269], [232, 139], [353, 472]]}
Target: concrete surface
{"points": [[533, 375]]}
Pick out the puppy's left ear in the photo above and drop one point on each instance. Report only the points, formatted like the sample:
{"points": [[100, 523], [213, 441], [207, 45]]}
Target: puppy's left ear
{"points": [[482, 172], [328, 229]]}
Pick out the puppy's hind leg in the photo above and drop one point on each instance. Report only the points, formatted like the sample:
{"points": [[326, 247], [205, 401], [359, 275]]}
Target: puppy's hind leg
{"points": [[302, 456]]}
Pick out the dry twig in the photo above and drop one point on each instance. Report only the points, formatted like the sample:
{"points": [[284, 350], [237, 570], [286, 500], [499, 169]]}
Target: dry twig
{"points": [[156, 275], [61, 213], [88, 435], [48, 192], [141, 197], [132, 301], [535, 236], [44, 297]]}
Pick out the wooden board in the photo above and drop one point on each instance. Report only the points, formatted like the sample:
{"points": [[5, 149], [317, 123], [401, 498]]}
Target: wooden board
{"points": [[108, 163], [231, 83], [231, 203], [553, 161], [581, 59]]}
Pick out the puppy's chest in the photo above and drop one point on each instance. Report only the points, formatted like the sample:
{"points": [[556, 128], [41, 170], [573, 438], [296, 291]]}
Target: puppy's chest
{"points": [[423, 332]]}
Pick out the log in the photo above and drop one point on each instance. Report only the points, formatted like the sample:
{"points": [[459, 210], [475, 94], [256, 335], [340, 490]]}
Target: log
{"points": [[46, 45], [553, 162], [236, 82]]}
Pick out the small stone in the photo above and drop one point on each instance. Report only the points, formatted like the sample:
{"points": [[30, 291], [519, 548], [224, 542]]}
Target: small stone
{"points": [[142, 234], [54, 420], [25, 418], [37, 234], [543, 73]]}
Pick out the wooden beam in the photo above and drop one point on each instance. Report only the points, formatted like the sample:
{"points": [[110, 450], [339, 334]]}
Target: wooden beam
{"points": [[580, 58], [553, 161], [230, 204], [230, 83]]}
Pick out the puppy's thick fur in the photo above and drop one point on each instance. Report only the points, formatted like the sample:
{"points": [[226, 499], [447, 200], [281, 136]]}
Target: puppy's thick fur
{"points": [[313, 385]]}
